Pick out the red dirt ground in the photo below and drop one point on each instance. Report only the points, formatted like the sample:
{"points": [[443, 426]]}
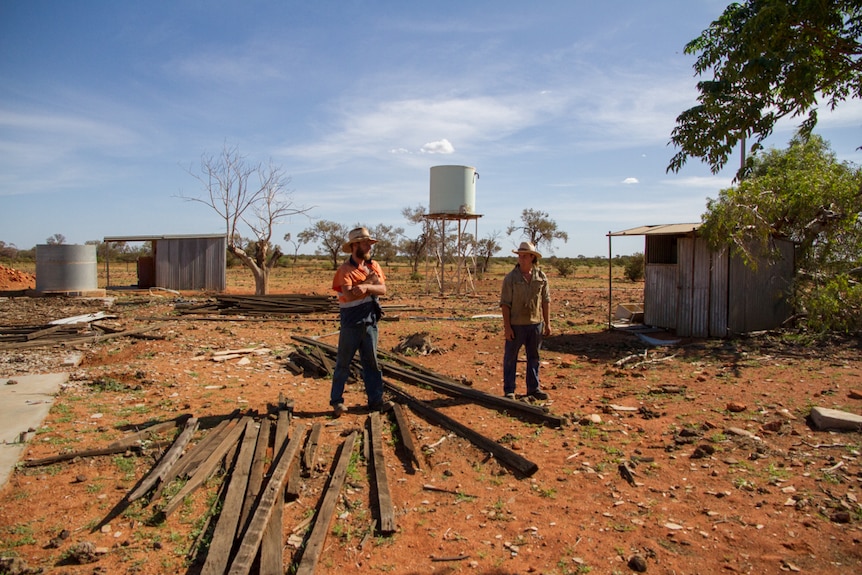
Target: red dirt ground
{"points": [[729, 476]]}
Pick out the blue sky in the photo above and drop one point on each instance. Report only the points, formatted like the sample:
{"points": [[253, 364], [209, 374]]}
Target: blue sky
{"points": [[561, 106]]}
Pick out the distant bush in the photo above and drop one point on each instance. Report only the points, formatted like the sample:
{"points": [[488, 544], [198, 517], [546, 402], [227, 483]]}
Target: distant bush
{"points": [[564, 266], [634, 267]]}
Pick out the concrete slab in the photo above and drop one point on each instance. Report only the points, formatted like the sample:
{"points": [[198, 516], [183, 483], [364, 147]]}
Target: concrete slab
{"points": [[23, 406], [825, 419]]}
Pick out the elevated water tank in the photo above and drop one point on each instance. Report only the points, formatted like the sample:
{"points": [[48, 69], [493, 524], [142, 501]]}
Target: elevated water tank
{"points": [[66, 268], [453, 190]]}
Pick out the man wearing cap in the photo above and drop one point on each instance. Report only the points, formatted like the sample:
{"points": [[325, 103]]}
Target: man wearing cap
{"points": [[526, 304], [359, 281]]}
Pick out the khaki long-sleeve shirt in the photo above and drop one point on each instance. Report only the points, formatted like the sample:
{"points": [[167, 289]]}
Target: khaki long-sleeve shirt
{"points": [[525, 299]]}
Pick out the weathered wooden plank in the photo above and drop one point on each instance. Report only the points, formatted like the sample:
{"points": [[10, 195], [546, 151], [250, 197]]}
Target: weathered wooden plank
{"points": [[327, 363], [85, 453], [255, 479], [504, 455], [310, 453], [228, 520], [207, 468], [171, 456], [405, 435], [148, 433], [315, 541], [244, 558], [386, 513], [192, 458], [418, 375], [271, 547]]}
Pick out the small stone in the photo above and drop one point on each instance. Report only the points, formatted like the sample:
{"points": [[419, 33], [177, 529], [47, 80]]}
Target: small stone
{"points": [[82, 553], [637, 563], [736, 407]]}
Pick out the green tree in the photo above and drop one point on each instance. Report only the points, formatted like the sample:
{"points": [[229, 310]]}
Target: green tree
{"points": [[297, 243], [330, 236], [804, 194], [247, 195], [538, 228], [387, 237], [768, 59], [634, 267]]}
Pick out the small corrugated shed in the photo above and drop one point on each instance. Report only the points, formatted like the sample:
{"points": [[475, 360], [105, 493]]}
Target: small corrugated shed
{"points": [[181, 262], [700, 292]]}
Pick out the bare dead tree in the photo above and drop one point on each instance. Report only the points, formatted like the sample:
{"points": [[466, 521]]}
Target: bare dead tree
{"points": [[250, 195]]}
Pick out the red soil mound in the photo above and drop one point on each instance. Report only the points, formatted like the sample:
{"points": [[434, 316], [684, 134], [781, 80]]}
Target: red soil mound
{"points": [[12, 279]]}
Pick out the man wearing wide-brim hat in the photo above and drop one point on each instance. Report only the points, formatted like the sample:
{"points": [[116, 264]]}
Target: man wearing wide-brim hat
{"points": [[359, 281], [525, 301]]}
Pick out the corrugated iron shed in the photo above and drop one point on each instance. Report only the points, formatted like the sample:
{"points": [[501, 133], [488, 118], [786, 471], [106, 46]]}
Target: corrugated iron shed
{"points": [[700, 292], [180, 262]]}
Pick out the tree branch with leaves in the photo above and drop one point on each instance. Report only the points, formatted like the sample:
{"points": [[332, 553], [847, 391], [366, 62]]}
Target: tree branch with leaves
{"points": [[538, 228], [768, 60]]}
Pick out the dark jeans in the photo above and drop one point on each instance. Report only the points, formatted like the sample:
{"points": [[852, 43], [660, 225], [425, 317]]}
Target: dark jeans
{"points": [[362, 337], [530, 337]]}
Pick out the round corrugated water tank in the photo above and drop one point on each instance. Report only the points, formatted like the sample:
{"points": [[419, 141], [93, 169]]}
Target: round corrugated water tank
{"points": [[453, 190], [66, 268]]}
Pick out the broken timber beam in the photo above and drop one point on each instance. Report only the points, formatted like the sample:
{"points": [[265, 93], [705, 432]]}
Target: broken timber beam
{"points": [[405, 434], [86, 453], [310, 452], [160, 471], [207, 468], [381, 482], [315, 541], [415, 374], [250, 543], [228, 520], [504, 455]]}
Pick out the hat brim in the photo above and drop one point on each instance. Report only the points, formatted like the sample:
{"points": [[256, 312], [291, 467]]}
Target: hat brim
{"points": [[519, 252], [345, 247]]}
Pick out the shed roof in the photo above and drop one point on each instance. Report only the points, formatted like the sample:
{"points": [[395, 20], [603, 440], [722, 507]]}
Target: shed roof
{"points": [[659, 230], [160, 237]]}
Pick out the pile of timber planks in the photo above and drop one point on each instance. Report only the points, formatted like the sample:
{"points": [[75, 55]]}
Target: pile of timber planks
{"points": [[262, 305], [28, 337], [248, 530]]}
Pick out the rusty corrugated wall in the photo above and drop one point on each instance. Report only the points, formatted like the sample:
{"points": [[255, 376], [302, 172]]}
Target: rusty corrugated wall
{"points": [[660, 291], [759, 296], [711, 294], [695, 261], [191, 263]]}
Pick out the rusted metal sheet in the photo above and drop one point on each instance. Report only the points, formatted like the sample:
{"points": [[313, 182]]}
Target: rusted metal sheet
{"points": [[719, 293], [700, 292], [660, 291], [191, 263], [759, 297], [693, 296]]}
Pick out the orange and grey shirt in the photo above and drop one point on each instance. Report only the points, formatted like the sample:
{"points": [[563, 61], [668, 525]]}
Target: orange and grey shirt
{"points": [[349, 274]]}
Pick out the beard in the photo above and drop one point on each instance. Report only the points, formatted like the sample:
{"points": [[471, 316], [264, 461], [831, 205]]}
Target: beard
{"points": [[362, 253]]}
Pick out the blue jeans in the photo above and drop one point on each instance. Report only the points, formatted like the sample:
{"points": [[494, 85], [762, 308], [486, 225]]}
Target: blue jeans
{"points": [[362, 337], [530, 337]]}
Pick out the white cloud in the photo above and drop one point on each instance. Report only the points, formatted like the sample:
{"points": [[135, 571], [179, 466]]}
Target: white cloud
{"points": [[631, 181], [443, 146]]}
